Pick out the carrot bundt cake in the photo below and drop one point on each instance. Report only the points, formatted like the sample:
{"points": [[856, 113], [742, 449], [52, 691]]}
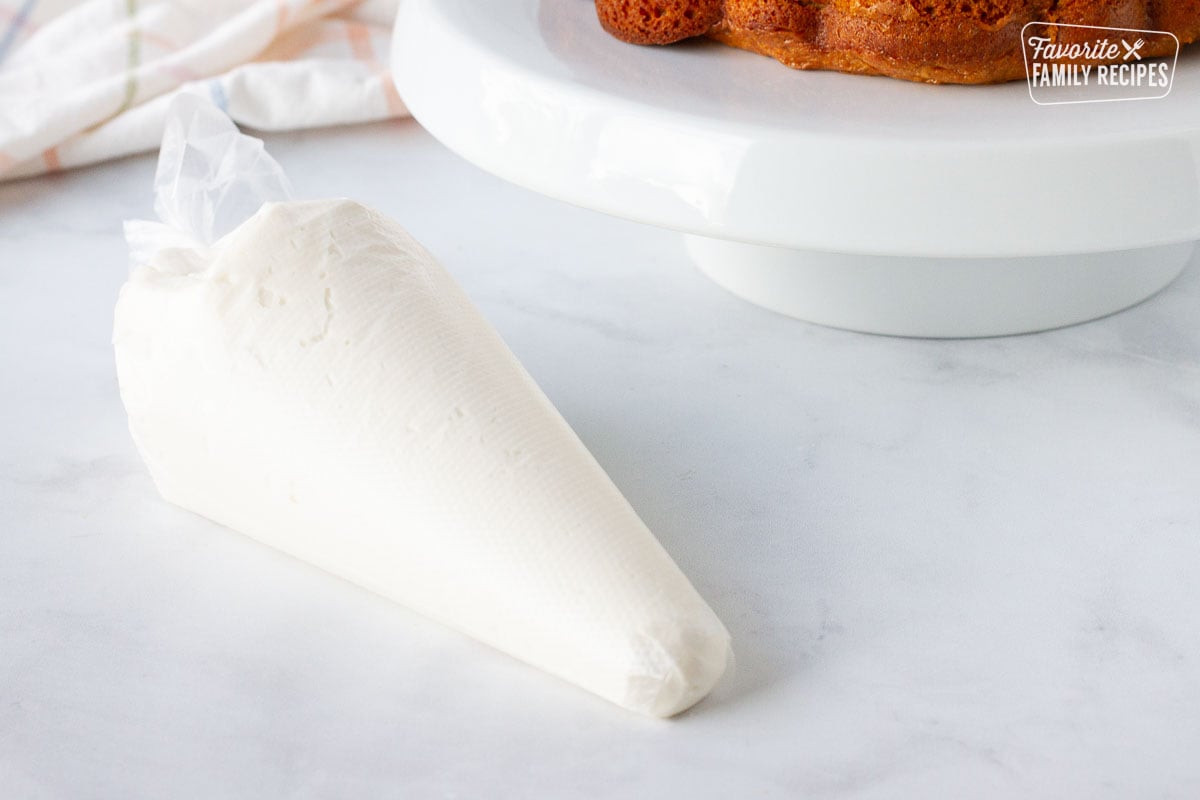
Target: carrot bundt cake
{"points": [[936, 41]]}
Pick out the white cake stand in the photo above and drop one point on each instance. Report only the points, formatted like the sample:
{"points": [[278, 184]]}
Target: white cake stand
{"points": [[858, 202]]}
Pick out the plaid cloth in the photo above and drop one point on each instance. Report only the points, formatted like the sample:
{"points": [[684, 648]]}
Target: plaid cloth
{"points": [[85, 82]]}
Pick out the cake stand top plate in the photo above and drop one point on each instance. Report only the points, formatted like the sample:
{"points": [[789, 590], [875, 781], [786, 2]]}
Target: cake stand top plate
{"points": [[728, 144]]}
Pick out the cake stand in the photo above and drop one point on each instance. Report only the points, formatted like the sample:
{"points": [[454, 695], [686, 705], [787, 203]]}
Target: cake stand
{"points": [[858, 202]]}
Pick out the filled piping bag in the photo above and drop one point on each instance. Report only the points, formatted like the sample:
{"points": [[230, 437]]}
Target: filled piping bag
{"points": [[307, 374]]}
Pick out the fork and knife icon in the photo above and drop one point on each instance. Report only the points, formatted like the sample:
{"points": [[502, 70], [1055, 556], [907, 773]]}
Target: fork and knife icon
{"points": [[1131, 50]]}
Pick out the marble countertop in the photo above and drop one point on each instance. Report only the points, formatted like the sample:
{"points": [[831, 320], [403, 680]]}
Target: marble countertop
{"points": [[950, 568]]}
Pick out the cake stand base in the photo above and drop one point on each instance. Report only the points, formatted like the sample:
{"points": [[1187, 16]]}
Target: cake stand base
{"points": [[938, 297]]}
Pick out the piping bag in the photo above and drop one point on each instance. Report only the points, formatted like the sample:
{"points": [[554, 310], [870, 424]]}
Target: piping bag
{"points": [[304, 372]]}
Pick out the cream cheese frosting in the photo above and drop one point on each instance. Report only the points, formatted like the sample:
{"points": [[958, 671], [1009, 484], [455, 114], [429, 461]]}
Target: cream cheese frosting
{"points": [[317, 381]]}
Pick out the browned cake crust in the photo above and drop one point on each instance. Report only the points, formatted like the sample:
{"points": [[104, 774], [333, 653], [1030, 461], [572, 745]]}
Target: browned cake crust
{"points": [[936, 41]]}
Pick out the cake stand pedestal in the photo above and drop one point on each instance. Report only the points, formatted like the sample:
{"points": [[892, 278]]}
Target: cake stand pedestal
{"points": [[938, 297]]}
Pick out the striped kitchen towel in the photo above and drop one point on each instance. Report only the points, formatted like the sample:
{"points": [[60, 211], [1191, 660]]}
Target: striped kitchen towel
{"points": [[82, 82]]}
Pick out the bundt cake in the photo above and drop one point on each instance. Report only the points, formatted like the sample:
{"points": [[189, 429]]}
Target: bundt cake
{"points": [[936, 41]]}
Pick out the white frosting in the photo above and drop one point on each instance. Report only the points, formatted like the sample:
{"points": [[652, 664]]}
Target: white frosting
{"points": [[318, 382]]}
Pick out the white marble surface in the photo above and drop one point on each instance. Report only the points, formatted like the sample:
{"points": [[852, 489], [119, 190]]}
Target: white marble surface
{"points": [[951, 569]]}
